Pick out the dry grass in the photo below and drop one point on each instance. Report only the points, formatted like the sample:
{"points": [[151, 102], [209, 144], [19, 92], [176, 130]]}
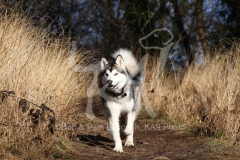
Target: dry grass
{"points": [[37, 69], [208, 97]]}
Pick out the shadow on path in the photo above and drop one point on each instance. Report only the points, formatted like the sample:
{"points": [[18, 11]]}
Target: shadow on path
{"points": [[96, 140]]}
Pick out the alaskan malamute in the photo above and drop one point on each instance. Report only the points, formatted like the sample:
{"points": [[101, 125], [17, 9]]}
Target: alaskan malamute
{"points": [[119, 84]]}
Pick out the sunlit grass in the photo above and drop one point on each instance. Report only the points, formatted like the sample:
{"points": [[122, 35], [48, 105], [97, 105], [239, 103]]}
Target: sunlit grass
{"points": [[207, 97], [37, 68]]}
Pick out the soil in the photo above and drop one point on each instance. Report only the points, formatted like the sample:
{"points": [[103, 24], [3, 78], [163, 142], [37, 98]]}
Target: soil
{"points": [[153, 139]]}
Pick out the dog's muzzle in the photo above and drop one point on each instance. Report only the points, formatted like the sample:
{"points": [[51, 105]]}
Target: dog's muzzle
{"points": [[110, 86]]}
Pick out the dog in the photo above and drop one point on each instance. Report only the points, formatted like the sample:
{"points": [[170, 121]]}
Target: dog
{"points": [[119, 87]]}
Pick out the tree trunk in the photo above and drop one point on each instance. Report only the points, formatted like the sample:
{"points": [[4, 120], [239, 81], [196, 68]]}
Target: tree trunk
{"points": [[200, 27], [179, 21]]}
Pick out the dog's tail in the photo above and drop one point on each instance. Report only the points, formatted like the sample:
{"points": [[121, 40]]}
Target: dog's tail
{"points": [[129, 61]]}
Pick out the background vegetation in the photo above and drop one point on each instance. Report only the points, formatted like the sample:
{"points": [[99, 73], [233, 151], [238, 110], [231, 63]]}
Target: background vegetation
{"points": [[197, 25]]}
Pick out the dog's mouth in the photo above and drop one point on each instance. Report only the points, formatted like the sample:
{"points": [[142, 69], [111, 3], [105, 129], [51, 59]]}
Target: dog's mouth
{"points": [[112, 87]]}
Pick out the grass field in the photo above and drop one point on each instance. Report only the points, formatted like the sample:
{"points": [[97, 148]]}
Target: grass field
{"points": [[208, 96], [34, 67]]}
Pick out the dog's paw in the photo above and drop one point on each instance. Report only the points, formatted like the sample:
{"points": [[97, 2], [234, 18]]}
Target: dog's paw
{"points": [[118, 149], [129, 143]]}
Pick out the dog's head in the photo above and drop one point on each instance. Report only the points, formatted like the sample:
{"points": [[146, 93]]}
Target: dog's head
{"points": [[114, 74]]}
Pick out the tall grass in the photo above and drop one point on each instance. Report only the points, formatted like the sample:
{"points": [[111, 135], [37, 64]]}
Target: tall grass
{"points": [[36, 67], [208, 96]]}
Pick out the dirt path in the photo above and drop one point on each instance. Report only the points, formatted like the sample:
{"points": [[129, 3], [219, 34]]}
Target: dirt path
{"points": [[153, 139], [150, 142]]}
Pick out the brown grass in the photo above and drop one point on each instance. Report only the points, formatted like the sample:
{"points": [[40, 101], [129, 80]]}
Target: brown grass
{"points": [[208, 97], [37, 69]]}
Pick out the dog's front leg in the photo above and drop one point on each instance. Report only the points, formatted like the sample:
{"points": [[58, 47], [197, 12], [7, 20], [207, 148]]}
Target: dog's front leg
{"points": [[115, 130], [131, 116]]}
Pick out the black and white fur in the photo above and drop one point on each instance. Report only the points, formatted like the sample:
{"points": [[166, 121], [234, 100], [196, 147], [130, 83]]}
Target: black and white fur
{"points": [[119, 83]]}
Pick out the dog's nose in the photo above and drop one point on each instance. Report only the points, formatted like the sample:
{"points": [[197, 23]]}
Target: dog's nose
{"points": [[109, 81]]}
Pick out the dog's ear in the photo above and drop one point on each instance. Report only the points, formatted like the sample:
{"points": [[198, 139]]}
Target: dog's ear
{"points": [[103, 63], [119, 61]]}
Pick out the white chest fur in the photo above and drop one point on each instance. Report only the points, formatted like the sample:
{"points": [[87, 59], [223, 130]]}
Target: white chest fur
{"points": [[123, 106]]}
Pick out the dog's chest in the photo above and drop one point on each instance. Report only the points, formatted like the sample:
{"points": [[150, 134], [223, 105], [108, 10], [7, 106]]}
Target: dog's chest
{"points": [[124, 105]]}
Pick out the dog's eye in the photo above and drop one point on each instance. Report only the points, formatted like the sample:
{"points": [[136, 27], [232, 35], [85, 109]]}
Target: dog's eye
{"points": [[106, 74], [116, 74]]}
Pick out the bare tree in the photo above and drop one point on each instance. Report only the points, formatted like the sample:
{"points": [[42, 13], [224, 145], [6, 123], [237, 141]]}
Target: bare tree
{"points": [[200, 27], [180, 24]]}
